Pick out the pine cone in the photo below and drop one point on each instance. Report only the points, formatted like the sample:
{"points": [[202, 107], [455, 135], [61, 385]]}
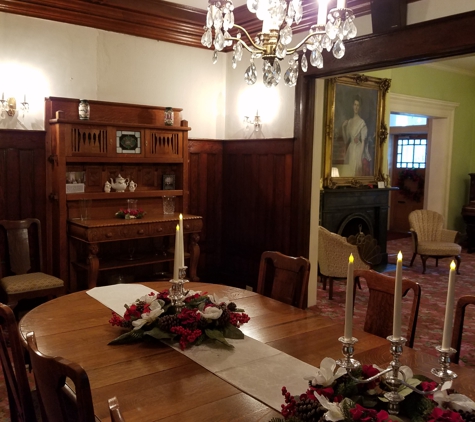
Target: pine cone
{"points": [[224, 318], [165, 323], [309, 410], [232, 306]]}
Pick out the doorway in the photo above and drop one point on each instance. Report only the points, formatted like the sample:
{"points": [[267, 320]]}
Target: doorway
{"points": [[408, 146], [439, 154]]}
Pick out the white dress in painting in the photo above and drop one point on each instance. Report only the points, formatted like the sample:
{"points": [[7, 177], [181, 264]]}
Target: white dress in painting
{"points": [[354, 134]]}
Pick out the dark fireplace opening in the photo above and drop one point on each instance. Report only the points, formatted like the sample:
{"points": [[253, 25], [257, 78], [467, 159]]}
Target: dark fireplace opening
{"points": [[354, 224]]}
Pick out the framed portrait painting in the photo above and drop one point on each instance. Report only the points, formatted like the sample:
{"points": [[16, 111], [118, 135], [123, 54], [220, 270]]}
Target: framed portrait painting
{"points": [[355, 130]]}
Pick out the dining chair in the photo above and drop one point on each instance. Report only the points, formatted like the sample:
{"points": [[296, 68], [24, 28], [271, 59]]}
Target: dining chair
{"points": [[284, 278], [431, 240], [20, 398], [23, 276], [378, 320], [333, 253], [462, 304], [58, 401]]}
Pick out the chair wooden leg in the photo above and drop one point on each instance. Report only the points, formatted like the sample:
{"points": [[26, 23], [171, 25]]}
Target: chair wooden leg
{"points": [[413, 258], [458, 259], [436, 262], [330, 293], [324, 281], [424, 259]]}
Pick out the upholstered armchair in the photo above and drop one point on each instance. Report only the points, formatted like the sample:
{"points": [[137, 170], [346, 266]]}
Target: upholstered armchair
{"points": [[431, 240], [333, 253]]}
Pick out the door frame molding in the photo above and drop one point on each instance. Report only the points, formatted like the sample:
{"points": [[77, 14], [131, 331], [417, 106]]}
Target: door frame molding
{"points": [[439, 153]]}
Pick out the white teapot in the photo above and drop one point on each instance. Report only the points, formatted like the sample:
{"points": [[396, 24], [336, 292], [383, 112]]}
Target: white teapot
{"points": [[132, 186], [120, 183]]}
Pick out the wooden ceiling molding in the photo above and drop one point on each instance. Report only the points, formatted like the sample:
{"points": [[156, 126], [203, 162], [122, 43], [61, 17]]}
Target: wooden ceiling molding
{"points": [[155, 19]]}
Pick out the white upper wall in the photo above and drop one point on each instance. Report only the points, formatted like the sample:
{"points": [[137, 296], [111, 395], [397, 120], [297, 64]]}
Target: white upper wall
{"points": [[44, 58]]}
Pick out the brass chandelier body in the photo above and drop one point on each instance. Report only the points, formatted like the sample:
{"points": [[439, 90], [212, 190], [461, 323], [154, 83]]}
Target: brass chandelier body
{"points": [[274, 41]]}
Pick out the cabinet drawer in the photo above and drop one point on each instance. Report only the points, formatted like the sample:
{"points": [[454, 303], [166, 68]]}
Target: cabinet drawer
{"points": [[102, 234], [165, 228]]}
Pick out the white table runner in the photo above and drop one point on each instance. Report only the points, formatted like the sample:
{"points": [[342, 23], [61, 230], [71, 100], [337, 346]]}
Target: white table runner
{"points": [[253, 367]]}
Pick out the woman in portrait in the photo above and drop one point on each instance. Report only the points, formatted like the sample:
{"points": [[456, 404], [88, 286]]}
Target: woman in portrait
{"points": [[355, 134]]}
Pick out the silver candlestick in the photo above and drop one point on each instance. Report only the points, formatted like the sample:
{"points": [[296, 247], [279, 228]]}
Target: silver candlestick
{"points": [[348, 350], [177, 292], [393, 372]]}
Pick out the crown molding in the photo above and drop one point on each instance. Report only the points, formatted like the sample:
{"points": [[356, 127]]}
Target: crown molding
{"points": [[155, 19]]}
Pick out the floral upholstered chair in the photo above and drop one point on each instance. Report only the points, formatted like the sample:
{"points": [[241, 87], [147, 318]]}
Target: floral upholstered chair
{"points": [[431, 240], [333, 253]]}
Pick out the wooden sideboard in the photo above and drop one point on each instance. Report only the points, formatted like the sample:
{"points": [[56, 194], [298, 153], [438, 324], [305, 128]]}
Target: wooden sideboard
{"points": [[118, 140], [96, 233]]}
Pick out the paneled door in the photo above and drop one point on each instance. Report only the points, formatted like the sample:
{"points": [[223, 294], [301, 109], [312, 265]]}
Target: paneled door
{"points": [[408, 173]]}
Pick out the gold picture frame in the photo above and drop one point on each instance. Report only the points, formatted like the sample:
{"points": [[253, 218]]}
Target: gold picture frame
{"points": [[355, 130]]}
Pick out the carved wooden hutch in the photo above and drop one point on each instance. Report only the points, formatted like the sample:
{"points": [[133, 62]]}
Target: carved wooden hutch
{"points": [[119, 139]]}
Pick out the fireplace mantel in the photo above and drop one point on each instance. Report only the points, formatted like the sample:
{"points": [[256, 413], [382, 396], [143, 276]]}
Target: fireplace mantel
{"points": [[345, 210]]}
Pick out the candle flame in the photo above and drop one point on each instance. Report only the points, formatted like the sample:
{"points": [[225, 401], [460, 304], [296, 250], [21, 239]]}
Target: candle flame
{"points": [[351, 258], [181, 216], [177, 227], [399, 256], [452, 265]]}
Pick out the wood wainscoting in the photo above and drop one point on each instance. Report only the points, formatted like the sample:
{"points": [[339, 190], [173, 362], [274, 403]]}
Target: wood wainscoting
{"points": [[243, 190]]}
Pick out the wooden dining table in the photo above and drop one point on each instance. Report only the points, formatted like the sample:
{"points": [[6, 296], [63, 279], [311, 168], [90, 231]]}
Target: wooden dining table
{"points": [[154, 382]]}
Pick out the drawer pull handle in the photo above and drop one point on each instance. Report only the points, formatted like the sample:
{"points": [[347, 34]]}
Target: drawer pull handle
{"points": [[159, 229], [109, 235], [187, 226], [140, 231]]}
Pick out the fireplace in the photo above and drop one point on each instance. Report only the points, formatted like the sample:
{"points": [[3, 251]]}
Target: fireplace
{"points": [[346, 211]]}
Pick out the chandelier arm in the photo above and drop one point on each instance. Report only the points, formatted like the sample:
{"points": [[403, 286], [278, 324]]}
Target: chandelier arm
{"points": [[260, 49], [291, 50]]}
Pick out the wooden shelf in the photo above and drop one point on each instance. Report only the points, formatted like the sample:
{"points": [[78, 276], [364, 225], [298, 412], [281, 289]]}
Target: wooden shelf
{"points": [[122, 195]]}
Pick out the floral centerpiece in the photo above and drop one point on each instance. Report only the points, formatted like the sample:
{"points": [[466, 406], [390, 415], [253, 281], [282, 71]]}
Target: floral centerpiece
{"points": [[204, 316], [130, 214], [332, 395]]}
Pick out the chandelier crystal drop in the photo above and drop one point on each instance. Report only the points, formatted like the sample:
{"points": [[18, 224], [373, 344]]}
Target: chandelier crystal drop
{"points": [[273, 43]]}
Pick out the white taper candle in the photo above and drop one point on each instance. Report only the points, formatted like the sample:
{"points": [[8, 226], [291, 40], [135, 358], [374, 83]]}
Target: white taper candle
{"points": [[322, 12], [176, 261], [348, 334], [182, 247], [449, 309], [397, 299]]}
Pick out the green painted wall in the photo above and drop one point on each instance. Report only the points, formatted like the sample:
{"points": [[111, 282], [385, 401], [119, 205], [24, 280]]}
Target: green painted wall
{"points": [[429, 82]]}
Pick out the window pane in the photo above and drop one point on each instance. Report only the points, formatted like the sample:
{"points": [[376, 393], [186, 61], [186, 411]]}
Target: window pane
{"points": [[408, 153], [420, 154]]}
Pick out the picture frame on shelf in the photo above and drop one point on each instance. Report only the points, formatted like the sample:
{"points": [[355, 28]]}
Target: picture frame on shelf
{"points": [[168, 182], [128, 142], [355, 130]]}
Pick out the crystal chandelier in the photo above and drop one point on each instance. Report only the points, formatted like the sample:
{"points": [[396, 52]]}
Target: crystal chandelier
{"points": [[273, 42]]}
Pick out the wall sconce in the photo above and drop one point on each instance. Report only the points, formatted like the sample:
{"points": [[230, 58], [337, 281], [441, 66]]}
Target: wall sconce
{"points": [[256, 122], [8, 106]]}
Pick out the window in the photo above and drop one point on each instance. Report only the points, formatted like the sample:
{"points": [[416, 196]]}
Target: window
{"points": [[411, 152], [406, 120]]}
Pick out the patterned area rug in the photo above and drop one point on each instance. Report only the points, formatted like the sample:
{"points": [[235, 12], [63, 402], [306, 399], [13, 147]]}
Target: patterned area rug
{"points": [[432, 307]]}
